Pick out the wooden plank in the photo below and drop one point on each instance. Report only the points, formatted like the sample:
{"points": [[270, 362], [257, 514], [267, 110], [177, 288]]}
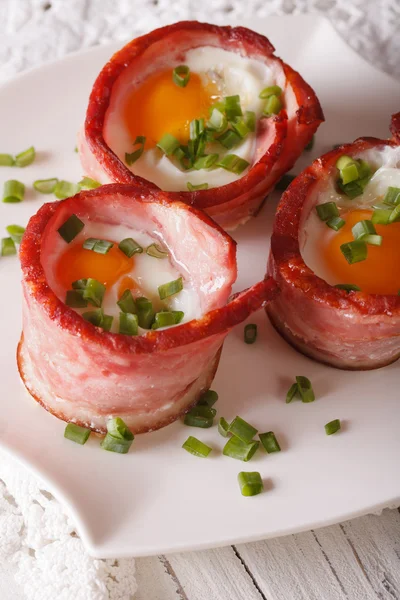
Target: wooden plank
{"points": [[156, 581]]}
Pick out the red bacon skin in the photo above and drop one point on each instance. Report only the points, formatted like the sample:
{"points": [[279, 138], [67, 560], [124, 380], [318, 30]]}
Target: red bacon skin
{"points": [[345, 330], [281, 139], [83, 374]]}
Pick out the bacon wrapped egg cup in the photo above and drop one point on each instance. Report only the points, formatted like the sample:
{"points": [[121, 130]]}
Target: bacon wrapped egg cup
{"points": [[206, 111]]}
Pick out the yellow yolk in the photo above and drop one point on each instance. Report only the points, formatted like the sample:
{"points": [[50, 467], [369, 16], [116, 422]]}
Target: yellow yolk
{"points": [[160, 106], [78, 263], [380, 272]]}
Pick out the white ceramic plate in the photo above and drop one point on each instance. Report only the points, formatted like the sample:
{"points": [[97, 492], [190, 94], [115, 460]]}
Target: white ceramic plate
{"points": [[159, 498]]}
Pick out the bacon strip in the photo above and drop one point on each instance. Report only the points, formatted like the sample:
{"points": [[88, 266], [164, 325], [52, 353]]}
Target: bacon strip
{"points": [[83, 374], [280, 140]]}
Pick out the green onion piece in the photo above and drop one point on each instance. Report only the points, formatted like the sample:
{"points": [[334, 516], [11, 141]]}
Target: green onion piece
{"points": [[65, 189], [196, 128], [119, 437], [156, 252], [127, 303], [349, 173], [394, 215], [217, 121], [193, 188], [239, 125], [250, 120], [181, 75], [293, 392], [343, 161], [145, 312], [232, 107], [128, 323], [6, 160], [364, 171], [70, 229], [205, 162], [16, 232], [8, 247], [327, 210], [13, 191], [229, 139], [250, 333], [373, 240], [76, 433], [242, 430], [348, 287], [273, 106], [169, 289], [284, 182], [363, 228], [98, 246], [167, 318], [196, 447], [332, 427], [25, 158], [87, 183], [335, 223], [271, 90], [79, 284], [310, 144], [305, 389], [132, 157], [45, 186], [381, 216], [352, 190], [250, 483], [98, 319], [168, 144], [75, 299], [94, 291], [183, 155], [209, 398], [233, 163], [269, 442], [392, 195], [235, 448], [129, 247], [200, 416], [223, 427], [354, 251]]}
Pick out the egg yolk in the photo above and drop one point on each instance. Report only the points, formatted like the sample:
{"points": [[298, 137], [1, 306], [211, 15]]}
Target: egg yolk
{"points": [[160, 106], [379, 273], [79, 263]]}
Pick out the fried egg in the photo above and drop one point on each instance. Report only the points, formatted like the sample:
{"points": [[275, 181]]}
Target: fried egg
{"points": [[320, 246], [156, 106]]}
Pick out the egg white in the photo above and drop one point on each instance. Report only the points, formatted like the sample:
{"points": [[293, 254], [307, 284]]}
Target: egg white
{"points": [[235, 74]]}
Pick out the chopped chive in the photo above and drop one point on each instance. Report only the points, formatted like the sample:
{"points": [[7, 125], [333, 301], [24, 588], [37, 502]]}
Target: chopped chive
{"points": [[209, 398], [250, 120], [305, 389], [217, 121], [132, 157], [240, 127], [250, 333], [348, 287], [128, 323], [229, 139], [335, 223], [354, 251], [25, 158], [293, 392], [13, 191], [65, 189], [98, 318], [205, 162], [145, 312], [127, 303], [168, 144], [352, 190], [156, 252], [196, 128], [200, 186], [310, 144], [223, 427], [233, 163], [271, 90], [8, 247], [98, 246], [235, 448], [79, 284], [119, 437], [87, 183], [129, 247], [392, 195], [94, 291], [349, 173], [381, 216], [373, 240], [75, 299], [183, 155], [200, 416], [167, 318], [250, 483], [332, 427], [6, 160], [269, 442], [364, 171], [327, 210], [232, 107], [16, 232], [395, 214], [76, 433], [363, 228], [169, 289], [343, 161], [242, 430], [272, 107], [45, 186], [196, 447], [70, 228], [284, 182], [181, 75]]}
